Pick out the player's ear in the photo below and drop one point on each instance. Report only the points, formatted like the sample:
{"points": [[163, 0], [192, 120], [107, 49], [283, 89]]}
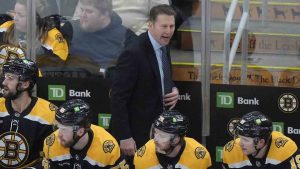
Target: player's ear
{"points": [[261, 143], [24, 84], [81, 131], [176, 140]]}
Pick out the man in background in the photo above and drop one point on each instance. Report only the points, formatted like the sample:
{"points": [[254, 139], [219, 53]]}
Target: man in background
{"points": [[98, 36]]}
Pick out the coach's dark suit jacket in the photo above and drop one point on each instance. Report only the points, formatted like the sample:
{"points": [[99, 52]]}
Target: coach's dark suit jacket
{"points": [[136, 96]]}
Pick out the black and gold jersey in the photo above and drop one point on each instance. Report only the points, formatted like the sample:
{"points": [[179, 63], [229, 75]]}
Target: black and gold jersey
{"points": [[54, 41], [102, 151], [283, 154], [22, 134], [194, 156]]}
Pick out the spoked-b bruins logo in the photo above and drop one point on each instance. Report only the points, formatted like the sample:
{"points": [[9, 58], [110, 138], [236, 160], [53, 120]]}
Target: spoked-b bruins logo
{"points": [[288, 103], [10, 52], [231, 126], [108, 146], [200, 152], [14, 150]]}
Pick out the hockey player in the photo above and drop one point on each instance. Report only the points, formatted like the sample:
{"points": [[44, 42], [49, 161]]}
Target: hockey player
{"points": [[76, 144], [25, 121], [257, 146], [169, 148]]}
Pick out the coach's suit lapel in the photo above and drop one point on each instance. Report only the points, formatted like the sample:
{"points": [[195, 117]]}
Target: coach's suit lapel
{"points": [[150, 54]]}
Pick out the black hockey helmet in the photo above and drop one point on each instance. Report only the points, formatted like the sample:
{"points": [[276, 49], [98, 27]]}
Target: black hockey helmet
{"points": [[255, 125], [74, 113], [25, 68], [4, 18], [173, 122]]}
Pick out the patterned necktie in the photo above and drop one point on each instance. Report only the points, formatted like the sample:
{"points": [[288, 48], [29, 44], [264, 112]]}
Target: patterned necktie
{"points": [[166, 70]]}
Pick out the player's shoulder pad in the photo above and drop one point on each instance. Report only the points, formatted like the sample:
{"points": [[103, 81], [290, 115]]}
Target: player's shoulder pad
{"points": [[200, 152], [108, 143], [141, 151], [52, 147], [232, 152], [282, 147], [44, 110], [46, 105], [49, 141]]}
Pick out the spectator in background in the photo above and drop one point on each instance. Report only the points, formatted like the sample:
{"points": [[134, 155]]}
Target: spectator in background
{"points": [[256, 145], [134, 13], [49, 39], [99, 36], [169, 148], [142, 86], [25, 120]]}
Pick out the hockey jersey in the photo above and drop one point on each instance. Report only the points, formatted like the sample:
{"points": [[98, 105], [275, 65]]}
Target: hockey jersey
{"points": [[22, 134], [283, 154], [102, 151], [54, 41], [194, 156]]}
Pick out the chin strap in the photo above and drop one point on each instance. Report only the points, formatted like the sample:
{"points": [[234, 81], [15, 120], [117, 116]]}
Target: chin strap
{"points": [[259, 149]]}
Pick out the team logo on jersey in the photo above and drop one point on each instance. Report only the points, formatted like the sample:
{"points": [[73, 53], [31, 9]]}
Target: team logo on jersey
{"points": [[59, 37], [14, 150], [280, 142], [231, 126], [108, 146], [288, 103], [10, 52], [52, 107], [229, 146], [141, 151], [200, 152], [50, 140]]}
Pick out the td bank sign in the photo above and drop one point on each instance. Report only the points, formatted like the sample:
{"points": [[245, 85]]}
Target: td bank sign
{"points": [[227, 100], [58, 92]]}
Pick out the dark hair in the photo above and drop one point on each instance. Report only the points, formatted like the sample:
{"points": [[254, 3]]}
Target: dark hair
{"points": [[25, 68], [161, 9], [102, 5]]}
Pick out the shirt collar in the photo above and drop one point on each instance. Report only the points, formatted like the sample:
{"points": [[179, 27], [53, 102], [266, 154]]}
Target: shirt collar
{"points": [[154, 43]]}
